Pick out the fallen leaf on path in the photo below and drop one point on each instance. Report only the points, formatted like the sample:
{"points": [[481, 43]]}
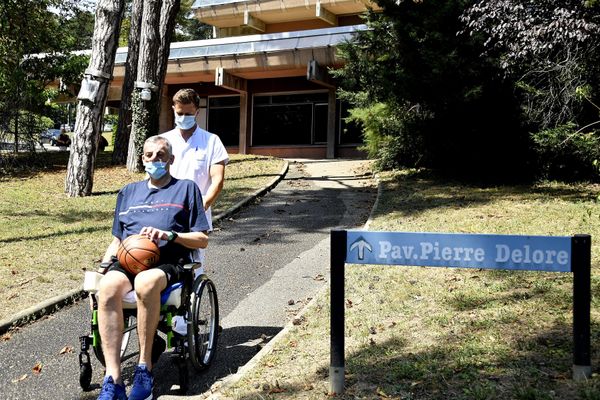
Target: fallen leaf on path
{"points": [[5, 337], [319, 277], [19, 379], [298, 320], [37, 368], [66, 349], [276, 389]]}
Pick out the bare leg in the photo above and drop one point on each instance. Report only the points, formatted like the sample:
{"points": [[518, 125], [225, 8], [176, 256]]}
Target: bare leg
{"points": [[148, 285], [110, 320]]}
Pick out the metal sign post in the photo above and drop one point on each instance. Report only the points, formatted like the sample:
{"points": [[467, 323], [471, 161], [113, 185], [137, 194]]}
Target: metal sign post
{"points": [[581, 267], [506, 252], [337, 363]]}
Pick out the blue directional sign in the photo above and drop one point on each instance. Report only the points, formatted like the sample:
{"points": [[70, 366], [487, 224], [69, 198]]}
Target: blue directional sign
{"points": [[536, 253]]}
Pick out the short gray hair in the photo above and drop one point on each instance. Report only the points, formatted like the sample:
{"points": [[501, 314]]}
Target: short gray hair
{"points": [[156, 139]]}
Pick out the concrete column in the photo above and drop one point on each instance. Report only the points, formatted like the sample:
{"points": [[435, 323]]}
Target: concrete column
{"points": [[331, 121], [245, 122]]}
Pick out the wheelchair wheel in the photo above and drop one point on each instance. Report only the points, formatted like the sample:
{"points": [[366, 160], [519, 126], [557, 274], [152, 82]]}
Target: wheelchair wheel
{"points": [[203, 314], [129, 326], [85, 372]]}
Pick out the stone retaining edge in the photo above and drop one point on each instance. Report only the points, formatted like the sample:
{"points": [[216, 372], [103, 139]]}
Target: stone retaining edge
{"points": [[56, 303], [215, 392]]}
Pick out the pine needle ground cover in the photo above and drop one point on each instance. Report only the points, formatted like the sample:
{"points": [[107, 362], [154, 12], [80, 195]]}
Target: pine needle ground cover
{"points": [[47, 240], [445, 333]]}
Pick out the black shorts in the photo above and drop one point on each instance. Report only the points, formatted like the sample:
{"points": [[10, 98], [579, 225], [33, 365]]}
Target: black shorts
{"points": [[174, 272]]}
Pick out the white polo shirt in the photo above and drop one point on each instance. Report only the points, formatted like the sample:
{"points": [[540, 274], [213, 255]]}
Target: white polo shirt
{"points": [[194, 158]]}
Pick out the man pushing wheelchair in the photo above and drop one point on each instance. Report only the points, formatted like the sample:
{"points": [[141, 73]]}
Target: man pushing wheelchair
{"points": [[169, 212]]}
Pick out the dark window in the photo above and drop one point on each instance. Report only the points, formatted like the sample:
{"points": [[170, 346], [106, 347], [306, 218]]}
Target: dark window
{"points": [[320, 123], [291, 119], [350, 132], [299, 98], [262, 100], [282, 125], [227, 101], [224, 119]]}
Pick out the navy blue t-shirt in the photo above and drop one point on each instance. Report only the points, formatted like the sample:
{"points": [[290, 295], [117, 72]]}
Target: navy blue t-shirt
{"points": [[175, 207]]}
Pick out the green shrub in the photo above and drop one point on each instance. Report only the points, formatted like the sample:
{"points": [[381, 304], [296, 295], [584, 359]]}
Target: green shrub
{"points": [[385, 135], [565, 153]]}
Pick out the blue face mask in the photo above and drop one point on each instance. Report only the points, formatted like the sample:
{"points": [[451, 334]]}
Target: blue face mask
{"points": [[185, 122], [156, 169]]}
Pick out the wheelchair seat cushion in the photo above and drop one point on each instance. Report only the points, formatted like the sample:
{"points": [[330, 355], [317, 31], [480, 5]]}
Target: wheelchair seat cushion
{"points": [[171, 296]]}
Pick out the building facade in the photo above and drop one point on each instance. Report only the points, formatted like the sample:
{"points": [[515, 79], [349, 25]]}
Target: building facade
{"points": [[263, 80]]}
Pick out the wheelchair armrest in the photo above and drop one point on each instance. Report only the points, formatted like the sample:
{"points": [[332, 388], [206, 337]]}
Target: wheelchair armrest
{"points": [[91, 281], [188, 281], [191, 266]]}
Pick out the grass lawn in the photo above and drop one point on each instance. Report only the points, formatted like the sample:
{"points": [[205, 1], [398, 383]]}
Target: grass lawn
{"points": [[47, 240], [442, 333]]}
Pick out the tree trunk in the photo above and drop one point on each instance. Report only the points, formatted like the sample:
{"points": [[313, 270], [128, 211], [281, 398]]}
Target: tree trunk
{"points": [[16, 149], [168, 14], [119, 155], [144, 118], [80, 171]]}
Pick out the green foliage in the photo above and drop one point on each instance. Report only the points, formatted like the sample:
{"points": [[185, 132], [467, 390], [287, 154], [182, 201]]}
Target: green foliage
{"points": [[145, 123], [30, 125], [36, 40], [567, 153], [446, 106], [113, 119], [551, 48], [385, 136], [187, 27]]}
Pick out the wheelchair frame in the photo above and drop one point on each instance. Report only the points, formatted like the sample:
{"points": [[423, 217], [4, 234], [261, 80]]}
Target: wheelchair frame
{"points": [[199, 308]]}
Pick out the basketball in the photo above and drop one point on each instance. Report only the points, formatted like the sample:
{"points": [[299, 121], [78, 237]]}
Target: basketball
{"points": [[137, 253]]}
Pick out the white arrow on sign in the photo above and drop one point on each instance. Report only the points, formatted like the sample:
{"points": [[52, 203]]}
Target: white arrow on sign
{"points": [[361, 244]]}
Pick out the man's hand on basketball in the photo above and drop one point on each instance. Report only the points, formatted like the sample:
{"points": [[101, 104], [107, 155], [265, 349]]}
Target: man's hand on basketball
{"points": [[154, 234]]}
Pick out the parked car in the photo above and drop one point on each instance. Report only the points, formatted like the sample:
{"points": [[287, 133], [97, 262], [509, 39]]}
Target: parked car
{"points": [[49, 136], [56, 137]]}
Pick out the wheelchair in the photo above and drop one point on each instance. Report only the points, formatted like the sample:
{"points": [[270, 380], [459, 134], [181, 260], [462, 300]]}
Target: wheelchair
{"points": [[194, 298]]}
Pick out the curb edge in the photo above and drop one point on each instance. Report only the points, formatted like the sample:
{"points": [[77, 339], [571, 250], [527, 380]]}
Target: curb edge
{"points": [[53, 304], [215, 392], [40, 310]]}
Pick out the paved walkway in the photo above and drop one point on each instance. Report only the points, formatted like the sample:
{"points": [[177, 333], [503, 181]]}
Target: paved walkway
{"points": [[269, 253]]}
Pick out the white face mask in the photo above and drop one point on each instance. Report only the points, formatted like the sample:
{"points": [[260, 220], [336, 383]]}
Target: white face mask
{"points": [[185, 122]]}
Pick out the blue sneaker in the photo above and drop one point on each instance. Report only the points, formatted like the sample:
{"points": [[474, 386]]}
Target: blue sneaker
{"points": [[111, 390], [143, 383]]}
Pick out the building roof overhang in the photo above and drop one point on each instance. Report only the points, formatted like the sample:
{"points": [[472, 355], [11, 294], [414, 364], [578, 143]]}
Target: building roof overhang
{"points": [[251, 57], [259, 13]]}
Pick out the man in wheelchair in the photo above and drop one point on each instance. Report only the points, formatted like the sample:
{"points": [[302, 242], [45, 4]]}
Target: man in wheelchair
{"points": [[169, 212]]}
